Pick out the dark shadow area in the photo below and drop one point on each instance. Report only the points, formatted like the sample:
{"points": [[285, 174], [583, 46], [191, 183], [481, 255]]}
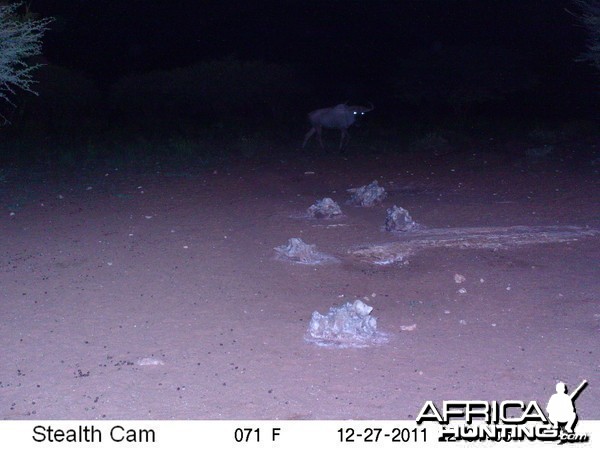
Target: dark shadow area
{"points": [[200, 85]]}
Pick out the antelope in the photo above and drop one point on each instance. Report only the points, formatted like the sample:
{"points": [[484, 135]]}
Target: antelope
{"points": [[341, 117]]}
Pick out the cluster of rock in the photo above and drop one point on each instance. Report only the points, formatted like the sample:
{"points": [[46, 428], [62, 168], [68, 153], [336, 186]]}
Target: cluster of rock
{"points": [[351, 324]]}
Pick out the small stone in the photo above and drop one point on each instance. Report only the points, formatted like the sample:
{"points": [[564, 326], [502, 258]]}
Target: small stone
{"points": [[150, 362], [458, 278]]}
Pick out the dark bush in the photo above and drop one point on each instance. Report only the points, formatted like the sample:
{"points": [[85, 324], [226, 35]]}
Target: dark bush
{"points": [[589, 17], [68, 104], [460, 78], [207, 93]]}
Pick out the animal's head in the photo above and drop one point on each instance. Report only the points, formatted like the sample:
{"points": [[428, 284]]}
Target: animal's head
{"points": [[361, 110]]}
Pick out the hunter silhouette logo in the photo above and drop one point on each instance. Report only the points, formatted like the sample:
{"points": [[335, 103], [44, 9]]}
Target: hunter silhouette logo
{"points": [[561, 406], [508, 420]]}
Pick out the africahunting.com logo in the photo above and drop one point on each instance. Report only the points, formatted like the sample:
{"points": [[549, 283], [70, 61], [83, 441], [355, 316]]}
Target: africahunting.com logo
{"points": [[510, 420]]}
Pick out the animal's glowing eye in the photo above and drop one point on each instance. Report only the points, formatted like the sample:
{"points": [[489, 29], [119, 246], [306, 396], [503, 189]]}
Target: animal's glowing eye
{"points": [[354, 112]]}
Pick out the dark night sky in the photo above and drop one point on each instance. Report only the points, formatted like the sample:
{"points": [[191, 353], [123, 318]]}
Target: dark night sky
{"points": [[334, 42]]}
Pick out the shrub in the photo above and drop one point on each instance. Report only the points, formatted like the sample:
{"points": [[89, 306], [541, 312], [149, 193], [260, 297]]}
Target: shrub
{"points": [[460, 77], [209, 92], [68, 103], [20, 40], [590, 19]]}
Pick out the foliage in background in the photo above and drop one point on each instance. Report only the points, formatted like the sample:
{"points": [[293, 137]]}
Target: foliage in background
{"points": [[590, 19], [460, 78], [209, 93], [20, 40], [68, 104]]}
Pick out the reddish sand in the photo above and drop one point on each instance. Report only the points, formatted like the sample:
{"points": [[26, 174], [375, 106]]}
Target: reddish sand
{"points": [[128, 295]]}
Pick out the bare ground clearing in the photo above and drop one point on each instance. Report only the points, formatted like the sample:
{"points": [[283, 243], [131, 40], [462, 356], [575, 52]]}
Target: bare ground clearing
{"points": [[151, 296]]}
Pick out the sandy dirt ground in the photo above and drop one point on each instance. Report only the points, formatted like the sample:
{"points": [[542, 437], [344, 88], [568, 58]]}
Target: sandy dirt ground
{"points": [[156, 294]]}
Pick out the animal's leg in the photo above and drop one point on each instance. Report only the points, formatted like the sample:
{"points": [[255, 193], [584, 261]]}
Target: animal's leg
{"points": [[344, 138], [308, 136], [319, 129]]}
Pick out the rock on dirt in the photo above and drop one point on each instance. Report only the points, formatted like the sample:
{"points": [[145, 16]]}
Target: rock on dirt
{"points": [[325, 208], [299, 252], [399, 219], [368, 195], [349, 325]]}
